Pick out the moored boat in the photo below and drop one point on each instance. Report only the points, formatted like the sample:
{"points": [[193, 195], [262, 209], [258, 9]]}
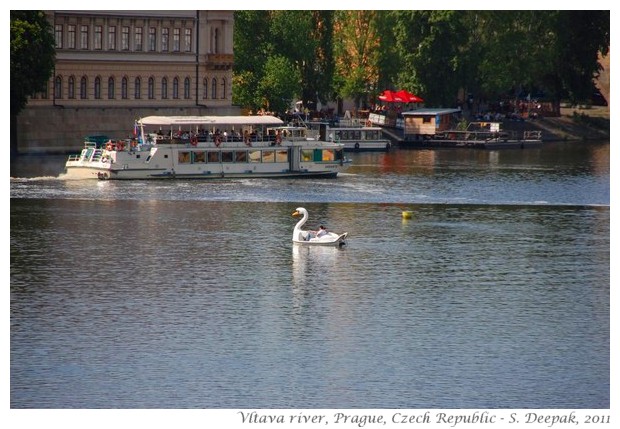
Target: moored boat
{"points": [[485, 135], [209, 147], [366, 138], [357, 138]]}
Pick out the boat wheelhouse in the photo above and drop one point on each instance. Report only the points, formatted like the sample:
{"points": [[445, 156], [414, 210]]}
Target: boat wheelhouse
{"points": [[209, 147]]}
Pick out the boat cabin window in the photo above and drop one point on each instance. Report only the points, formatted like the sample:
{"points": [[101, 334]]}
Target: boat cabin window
{"points": [[281, 156], [328, 155], [255, 155], [227, 156], [184, 157], [241, 156], [307, 155], [372, 135], [269, 156], [213, 156], [200, 157]]}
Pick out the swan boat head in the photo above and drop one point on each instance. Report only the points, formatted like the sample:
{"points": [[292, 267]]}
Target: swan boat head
{"points": [[307, 237]]}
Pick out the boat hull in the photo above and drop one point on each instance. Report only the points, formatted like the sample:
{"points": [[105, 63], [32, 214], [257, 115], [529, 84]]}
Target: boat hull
{"points": [[332, 241], [207, 162]]}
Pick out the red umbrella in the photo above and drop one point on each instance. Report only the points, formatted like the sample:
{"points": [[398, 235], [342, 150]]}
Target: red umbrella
{"points": [[387, 95], [405, 96]]}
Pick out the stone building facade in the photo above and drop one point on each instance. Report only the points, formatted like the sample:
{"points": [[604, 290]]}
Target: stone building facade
{"points": [[113, 67]]}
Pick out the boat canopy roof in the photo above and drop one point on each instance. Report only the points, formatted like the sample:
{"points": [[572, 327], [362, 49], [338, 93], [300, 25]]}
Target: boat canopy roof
{"points": [[430, 112], [211, 120]]}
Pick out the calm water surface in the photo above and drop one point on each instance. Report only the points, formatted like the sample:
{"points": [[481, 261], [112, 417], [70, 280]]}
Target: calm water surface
{"points": [[190, 294]]}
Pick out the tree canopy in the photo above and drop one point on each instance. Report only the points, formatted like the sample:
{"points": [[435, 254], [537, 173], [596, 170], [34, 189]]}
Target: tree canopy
{"points": [[435, 54], [32, 56]]}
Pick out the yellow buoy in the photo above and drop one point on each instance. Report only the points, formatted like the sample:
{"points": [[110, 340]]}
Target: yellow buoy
{"points": [[406, 214]]}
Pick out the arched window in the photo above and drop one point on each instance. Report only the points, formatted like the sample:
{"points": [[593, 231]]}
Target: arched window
{"points": [[98, 87], [223, 88], [124, 89], [137, 89], [186, 86], [205, 88], [175, 88], [214, 89], [71, 87], [151, 88], [111, 88], [83, 87], [58, 87], [164, 88]]}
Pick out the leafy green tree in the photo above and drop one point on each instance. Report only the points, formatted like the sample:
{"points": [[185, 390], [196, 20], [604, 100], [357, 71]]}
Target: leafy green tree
{"points": [[357, 53], [435, 54], [581, 35], [32, 56], [280, 80], [303, 38], [388, 62], [317, 70], [429, 43]]}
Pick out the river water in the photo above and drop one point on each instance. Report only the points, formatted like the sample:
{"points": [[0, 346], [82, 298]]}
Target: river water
{"points": [[190, 294]]}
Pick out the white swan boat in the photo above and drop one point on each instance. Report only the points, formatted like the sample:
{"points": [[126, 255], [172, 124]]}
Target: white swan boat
{"points": [[307, 237], [209, 147]]}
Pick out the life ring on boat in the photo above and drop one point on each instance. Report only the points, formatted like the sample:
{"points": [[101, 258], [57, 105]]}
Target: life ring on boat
{"points": [[194, 141]]}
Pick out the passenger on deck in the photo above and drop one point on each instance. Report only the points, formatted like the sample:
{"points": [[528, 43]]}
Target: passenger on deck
{"points": [[321, 232]]}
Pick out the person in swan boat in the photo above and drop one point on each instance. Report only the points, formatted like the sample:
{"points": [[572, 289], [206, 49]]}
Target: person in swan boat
{"points": [[317, 234]]}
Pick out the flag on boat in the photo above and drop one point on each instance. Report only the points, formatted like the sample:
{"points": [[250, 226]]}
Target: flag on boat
{"points": [[135, 128]]}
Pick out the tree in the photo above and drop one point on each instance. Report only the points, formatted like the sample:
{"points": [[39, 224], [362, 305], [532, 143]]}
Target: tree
{"points": [[303, 38], [430, 45], [581, 35], [32, 56], [280, 80], [357, 53]]}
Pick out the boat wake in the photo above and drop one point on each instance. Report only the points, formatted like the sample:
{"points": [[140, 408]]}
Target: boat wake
{"points": [[37, 179]]}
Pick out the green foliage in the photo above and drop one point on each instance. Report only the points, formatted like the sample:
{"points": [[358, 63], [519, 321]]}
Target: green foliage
{"points": [[32, 56], [434, 54], [279, 82], [303, 38], [357, 53]]}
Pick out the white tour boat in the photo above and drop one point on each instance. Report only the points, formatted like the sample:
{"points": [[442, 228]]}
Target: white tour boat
{"points": [[209, 147]]}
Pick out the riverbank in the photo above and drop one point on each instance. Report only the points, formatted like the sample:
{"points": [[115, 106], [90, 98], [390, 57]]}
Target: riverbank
{"points": [[574, 124]]}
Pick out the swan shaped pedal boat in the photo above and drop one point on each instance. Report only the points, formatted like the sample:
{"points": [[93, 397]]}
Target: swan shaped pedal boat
{"points": [[309, 237]]}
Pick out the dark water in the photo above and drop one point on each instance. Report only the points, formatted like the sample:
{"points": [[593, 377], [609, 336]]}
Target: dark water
{"points": [[190, 294]]}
